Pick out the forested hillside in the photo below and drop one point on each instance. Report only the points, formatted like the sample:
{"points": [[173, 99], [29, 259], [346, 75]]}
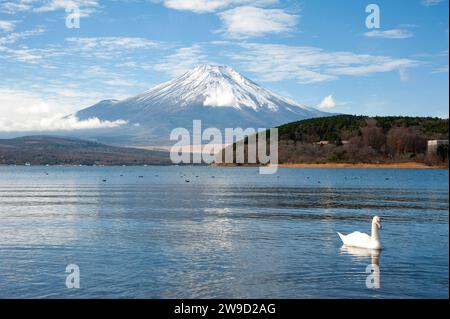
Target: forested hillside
{"points": [[363, 139]]}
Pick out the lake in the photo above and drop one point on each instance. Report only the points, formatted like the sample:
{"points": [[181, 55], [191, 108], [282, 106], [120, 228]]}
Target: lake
{"points": [[221, 232]]}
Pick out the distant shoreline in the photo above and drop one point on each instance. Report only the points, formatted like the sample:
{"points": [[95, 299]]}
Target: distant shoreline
{"points": [[363, 165], [406, 165], [409, 165]]}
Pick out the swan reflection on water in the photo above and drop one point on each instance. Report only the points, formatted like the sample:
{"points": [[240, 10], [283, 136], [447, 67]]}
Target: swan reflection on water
{"points": [[373, 279]]}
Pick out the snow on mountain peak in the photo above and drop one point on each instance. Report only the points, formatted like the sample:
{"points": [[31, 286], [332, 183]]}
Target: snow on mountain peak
{"points": [[214, 86]]}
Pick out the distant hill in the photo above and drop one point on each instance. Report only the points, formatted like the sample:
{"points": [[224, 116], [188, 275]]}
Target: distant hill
{"points": [[363, 139], [42, 150]]}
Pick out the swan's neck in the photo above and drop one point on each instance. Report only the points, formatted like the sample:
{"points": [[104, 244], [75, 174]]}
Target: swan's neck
{"points": [[374, 232]]}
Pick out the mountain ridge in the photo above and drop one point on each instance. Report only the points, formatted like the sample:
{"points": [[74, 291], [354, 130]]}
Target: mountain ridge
{"points": [[55, 150]]}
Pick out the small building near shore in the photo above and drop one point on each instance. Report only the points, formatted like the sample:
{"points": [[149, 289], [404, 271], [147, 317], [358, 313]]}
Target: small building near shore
{"points": [[433, 145]]}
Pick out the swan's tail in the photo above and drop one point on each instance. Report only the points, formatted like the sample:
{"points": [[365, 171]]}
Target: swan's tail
{"points": [[341, 236]]}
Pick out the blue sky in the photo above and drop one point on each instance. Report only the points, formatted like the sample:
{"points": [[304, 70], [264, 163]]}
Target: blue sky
{"points": [[318, 52]]}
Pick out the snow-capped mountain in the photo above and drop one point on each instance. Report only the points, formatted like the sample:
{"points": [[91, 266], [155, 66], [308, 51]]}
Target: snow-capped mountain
{"points": [[217, 95], [213, 86]]}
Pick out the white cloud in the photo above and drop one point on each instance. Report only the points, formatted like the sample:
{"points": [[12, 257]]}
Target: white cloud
{"points": [[327, 103], [134, 65], [202, 6], [12, 7], [22, 53], [429, 3], [86, 7], [7, 26], [389, 34], [56, 124], [121, 82], [245, 22], [182, 60], [16, 36], [374, 64], [111, 43], [107, 47], [442, 69], [51, 5], [15, 103], [198, 6], [276, 62], [26, 111]]}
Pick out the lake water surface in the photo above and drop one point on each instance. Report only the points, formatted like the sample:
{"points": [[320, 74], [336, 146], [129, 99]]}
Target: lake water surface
{"points": [[144, 232]]}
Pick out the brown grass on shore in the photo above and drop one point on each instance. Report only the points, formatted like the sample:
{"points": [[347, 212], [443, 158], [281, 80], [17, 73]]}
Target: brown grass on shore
{"points": [[410, 165], [364, 165]]}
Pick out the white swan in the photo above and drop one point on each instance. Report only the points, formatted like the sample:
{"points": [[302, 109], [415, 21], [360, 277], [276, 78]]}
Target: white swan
{"points": [[357, 239]]}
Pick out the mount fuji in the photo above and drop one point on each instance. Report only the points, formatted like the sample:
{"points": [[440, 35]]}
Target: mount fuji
{"points": [[217, 95]]}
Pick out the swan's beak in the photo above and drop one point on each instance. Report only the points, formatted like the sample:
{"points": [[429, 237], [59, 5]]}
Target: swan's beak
{"points": [[379, 226]]}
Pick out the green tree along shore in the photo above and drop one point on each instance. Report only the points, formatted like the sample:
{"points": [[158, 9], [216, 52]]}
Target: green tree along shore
{"points": [[363, 139]]}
